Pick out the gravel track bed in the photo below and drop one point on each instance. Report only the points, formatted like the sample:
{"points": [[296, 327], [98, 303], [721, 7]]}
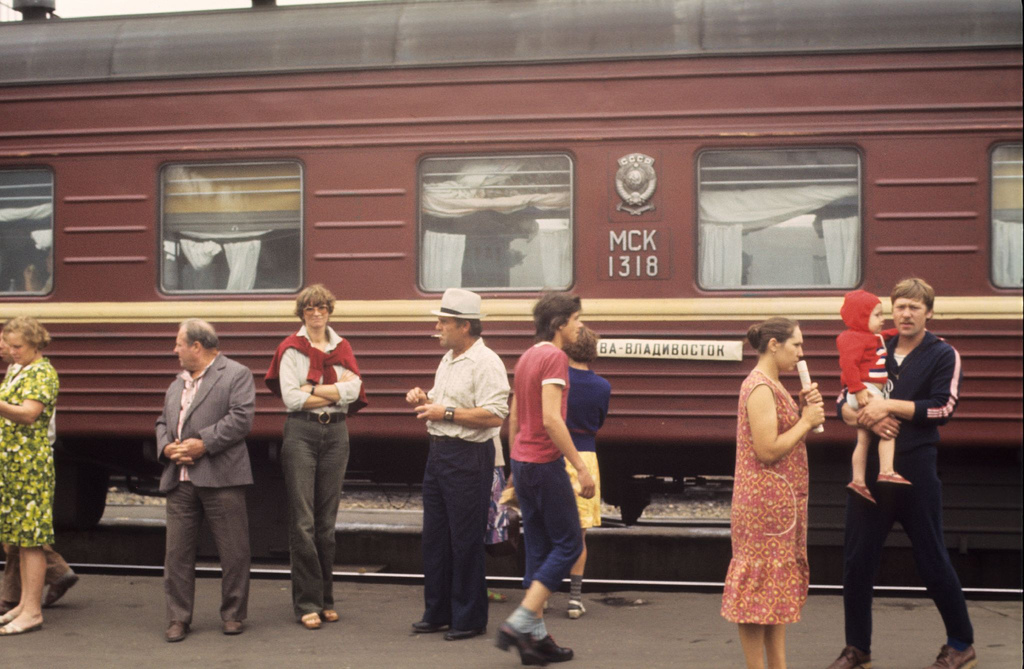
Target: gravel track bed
{"points": [[700, 504]]}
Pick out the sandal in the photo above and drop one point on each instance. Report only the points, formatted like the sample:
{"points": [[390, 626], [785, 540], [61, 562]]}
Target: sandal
{"points": [[12, 629], [329, 616], [311, 621], [8, 617], [893, 478], [862, 490]]}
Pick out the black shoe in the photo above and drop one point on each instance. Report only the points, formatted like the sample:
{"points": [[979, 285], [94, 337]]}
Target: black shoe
{"points": [[552, 652], [423, 627], [529, 654], [459, 635]]}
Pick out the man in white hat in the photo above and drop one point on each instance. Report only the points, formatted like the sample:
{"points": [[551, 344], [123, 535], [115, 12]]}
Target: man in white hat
{"points": [[464, 412]]}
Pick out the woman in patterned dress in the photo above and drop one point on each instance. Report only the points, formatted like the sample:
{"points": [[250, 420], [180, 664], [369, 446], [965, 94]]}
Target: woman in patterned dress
{"points": [[26, 466], [767, 581]]}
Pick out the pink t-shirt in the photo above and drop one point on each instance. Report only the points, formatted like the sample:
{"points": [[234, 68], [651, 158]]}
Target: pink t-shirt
{"points": [[542, 364]]}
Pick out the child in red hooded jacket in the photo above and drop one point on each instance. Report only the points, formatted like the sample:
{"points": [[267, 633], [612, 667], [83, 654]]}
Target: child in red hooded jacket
{"points": [[862, 356]]}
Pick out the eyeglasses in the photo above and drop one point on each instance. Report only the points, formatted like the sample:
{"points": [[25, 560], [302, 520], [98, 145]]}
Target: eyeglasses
{"points": [[312, 309]]}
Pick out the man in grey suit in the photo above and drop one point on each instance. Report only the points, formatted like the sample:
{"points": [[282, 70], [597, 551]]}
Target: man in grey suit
{"points": [[200, 438]]}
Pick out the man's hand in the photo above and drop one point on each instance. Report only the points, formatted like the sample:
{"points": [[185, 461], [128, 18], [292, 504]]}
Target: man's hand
{"points": [[431, 412], [885, 427], [193, 449], [873, 412], [416, 396], [184, 453]]}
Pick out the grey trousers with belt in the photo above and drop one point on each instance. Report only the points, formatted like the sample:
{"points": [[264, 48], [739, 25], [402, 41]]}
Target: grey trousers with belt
{"points": [[314, 458]]}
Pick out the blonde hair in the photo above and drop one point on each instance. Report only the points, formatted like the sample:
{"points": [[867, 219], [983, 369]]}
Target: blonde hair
{"points": [[32, 330], [914, 289]]}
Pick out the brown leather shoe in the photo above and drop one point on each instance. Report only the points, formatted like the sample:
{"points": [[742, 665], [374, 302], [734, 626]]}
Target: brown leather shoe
{"points": [[232, 627], [951, 658], [176, 631], [58, 589], [852, 658]]}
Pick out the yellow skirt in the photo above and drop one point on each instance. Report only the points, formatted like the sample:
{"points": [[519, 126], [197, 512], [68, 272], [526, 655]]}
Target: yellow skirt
{"points": [[589, 509]]}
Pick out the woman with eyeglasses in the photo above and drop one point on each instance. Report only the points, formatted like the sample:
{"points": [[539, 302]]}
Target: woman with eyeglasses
{"points": [[315, 373]]}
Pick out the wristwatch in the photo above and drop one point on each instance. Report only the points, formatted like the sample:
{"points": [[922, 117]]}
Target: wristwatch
{"points": [[449, 414]]}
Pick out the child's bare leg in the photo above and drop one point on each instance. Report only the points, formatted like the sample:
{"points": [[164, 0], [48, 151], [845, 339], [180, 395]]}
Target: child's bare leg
{"points": [[860, 456], [886, 452]]}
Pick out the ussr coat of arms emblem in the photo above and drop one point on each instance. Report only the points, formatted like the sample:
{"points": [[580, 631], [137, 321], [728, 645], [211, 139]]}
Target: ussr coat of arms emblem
{"points": [[635, 183]]}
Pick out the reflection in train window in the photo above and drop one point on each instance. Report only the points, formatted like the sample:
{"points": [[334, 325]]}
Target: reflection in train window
{"points": [[779, 219], [231, 227], [1007, 226], [26, 232], [496, 222]]}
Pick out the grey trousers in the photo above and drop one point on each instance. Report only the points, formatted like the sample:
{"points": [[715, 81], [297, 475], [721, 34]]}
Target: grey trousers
{"points": [[313, 460], [224, 509]]}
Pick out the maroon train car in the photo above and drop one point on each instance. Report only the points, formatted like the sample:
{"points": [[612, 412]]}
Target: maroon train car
{"points": [[687, 167]]}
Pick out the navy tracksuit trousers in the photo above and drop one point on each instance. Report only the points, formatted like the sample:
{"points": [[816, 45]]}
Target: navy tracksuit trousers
{"points": [[456, 499], [918, 508]]}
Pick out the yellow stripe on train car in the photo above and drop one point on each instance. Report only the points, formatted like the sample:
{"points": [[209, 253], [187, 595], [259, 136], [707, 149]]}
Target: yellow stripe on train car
{"points": [[498, 309]]}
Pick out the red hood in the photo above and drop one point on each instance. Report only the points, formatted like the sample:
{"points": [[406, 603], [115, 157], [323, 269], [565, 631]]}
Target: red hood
{"points": [[857, 308]]}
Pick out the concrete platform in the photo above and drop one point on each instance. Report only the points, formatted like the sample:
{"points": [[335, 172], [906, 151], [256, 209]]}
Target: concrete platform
{"points": [[112, 622]]}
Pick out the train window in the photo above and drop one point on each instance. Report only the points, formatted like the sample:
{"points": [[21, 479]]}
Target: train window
{"points": [[231, 227], [26, 232], [496, 222], [1007, 226], [779, 219]]}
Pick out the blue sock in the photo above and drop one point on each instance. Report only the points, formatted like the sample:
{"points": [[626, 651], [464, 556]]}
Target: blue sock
{"points": [[540, 631], [523, 620], [957, 644]]}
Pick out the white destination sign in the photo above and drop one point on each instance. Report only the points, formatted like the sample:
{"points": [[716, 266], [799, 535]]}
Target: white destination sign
{"points": [[673, 349]]}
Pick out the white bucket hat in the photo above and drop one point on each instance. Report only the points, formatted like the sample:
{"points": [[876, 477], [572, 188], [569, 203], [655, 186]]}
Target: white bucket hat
{"points": [[459, 303]]}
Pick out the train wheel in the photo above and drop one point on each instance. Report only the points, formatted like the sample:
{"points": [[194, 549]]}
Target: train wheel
{"points": [[81, 494]]}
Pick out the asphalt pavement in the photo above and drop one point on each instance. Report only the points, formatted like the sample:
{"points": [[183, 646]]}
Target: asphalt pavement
{"points": [[118, 621]]}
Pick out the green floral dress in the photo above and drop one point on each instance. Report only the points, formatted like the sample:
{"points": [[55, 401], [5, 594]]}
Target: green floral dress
{"points": [[26, 459]]}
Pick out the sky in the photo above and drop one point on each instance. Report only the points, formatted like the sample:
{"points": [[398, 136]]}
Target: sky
{"points": [[75, 8]]}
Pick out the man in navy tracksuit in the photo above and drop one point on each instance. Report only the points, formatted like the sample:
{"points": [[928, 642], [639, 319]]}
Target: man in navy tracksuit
{"points": [[925, 378]]}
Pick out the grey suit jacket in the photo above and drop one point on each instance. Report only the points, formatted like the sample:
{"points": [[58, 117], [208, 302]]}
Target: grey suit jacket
{"points": [[221, 415]]}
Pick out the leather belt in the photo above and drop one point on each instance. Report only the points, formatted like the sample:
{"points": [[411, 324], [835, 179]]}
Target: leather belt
{"points": [[324, 418]]}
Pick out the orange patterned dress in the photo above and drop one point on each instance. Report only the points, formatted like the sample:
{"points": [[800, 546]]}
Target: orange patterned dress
{"points": [[768, 575]]}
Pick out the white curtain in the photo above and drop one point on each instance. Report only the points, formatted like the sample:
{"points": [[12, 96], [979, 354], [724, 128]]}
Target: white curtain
{"points": [[726, 214], [842, 250], [1007, 253], [468, 192], [556, 254], [199, 254], [721, 256], [441, 260], [36, 213], [758, 208], [242, 259], [43, 239]]}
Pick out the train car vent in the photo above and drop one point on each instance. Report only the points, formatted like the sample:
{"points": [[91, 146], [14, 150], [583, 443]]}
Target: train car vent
{"points": [[34, 10]]}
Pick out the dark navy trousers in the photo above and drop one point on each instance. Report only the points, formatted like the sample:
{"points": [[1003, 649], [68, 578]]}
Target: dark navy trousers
{"points": [[551, 522], [918, 508], [456, 499]]}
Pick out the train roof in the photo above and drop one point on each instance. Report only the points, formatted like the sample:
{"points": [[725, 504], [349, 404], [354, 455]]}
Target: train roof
{"points": [[370, 35]]}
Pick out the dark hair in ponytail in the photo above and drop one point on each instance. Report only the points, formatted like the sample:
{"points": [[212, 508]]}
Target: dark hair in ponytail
{"points": [[778, 328]]}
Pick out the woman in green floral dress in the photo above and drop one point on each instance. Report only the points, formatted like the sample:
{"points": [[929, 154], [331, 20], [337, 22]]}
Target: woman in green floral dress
{"points": [[26, 466]]}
